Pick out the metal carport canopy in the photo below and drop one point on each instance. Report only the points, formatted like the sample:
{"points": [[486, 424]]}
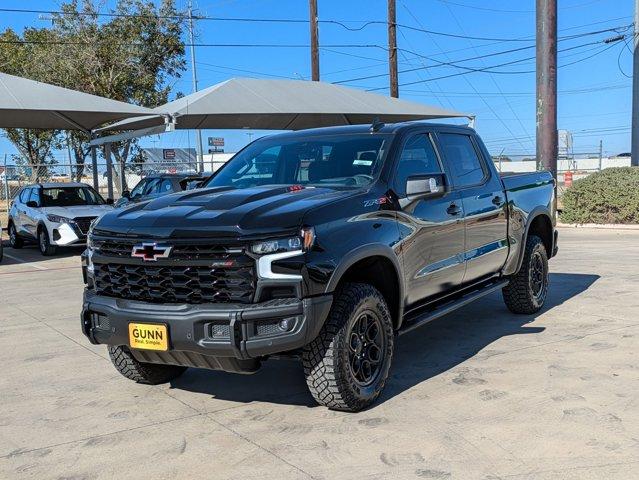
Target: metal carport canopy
{"points": [[26, 103], [266, 104]]}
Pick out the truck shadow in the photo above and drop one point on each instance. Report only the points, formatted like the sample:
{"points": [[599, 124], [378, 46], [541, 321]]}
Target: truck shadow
{"points": [[419, 355]]}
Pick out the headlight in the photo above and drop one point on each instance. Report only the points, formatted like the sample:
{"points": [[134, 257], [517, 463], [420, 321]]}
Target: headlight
{"points": [[90, 242], [89, 257], [302, 242], [58, 219]]}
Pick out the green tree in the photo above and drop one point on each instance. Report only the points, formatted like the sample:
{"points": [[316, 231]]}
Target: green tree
{"points": [[129, 56], [27, 56]]}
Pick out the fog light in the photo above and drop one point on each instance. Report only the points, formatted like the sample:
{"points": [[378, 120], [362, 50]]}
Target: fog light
{"points": [[287, 324]]}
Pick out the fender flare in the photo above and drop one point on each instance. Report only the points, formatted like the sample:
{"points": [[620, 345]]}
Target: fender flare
{"points": [[365, 251], [536, 212]]}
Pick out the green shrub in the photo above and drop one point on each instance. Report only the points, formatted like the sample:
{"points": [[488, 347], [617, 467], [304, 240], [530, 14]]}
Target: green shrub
{"points": [[609, 196]]}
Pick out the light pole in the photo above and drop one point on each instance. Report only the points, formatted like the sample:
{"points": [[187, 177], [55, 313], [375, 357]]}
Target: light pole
{"points": [[200, 156]]}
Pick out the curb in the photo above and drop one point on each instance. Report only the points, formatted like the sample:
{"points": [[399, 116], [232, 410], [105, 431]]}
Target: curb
{"points": [[601, 226]]}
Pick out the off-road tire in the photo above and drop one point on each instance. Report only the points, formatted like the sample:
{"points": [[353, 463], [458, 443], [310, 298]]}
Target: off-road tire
{"points": [[329, 374], [146, 373], [44, 244], [519, 295], [14, 239]]}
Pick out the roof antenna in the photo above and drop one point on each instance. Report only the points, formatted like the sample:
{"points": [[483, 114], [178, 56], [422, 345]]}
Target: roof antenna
{"points": [[376, 125]]}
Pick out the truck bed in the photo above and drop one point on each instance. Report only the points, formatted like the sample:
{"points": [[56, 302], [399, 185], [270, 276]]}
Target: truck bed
{"points": [[514, 181]]}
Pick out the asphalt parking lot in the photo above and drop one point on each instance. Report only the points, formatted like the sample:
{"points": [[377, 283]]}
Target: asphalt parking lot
{"points": [[480, 394]]}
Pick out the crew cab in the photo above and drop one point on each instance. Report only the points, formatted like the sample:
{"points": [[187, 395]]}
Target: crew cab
{"points": [[322, 245], [54, 214]]}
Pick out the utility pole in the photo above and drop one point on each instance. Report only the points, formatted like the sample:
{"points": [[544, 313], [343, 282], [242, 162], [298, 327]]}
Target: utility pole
{"points": [[547, 137], [315, 67], [635, 91], [198, 144], [600, 155], [392, 49]]}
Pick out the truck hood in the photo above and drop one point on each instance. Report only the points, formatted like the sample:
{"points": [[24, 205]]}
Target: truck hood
{"points": [[220, 212], [78, 211]]}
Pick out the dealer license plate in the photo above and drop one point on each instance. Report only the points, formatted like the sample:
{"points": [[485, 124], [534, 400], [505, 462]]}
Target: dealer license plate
{"points": [[148, 336]]}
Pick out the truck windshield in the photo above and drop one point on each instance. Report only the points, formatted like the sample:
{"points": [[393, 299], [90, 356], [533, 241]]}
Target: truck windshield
{"points": [[70, 197], [347, 160]]}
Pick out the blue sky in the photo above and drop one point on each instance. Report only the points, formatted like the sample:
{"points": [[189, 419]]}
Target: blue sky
{"points": [[594, 100]]}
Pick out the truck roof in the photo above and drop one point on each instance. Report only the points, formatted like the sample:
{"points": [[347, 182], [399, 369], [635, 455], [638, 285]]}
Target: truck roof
{"points": [[173, 175], [385, 128]]}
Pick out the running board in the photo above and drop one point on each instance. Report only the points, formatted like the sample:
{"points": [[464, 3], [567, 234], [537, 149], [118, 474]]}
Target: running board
{"points": [[451, 306]]}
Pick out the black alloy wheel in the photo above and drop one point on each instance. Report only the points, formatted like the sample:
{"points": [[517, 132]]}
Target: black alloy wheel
{"points": [[366, 344]]}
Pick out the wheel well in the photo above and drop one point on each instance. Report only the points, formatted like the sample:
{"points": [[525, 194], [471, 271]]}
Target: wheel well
{"points": [[542, 227], [379, 272]]}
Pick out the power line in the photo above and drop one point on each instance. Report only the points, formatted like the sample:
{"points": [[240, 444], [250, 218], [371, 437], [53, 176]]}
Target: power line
{"points": [[498, 10], [522, 94], [216, 45], [490, 68], [242, 70], [341, 23], [521, 124], [493, 54]]}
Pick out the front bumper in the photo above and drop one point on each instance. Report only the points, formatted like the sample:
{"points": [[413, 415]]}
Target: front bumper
{"points": [[65, 234], [230, 337]]}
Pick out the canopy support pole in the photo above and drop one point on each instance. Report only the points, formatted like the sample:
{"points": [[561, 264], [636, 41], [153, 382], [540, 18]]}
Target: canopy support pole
{"points": [[109, 167], [122, 179], [94, 164]]}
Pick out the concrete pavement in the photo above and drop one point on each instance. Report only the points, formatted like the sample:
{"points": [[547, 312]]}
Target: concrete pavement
{"points": [[480, 394]]}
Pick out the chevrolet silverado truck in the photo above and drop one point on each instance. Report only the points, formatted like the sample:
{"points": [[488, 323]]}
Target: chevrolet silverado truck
{"points": [[321, 245]]}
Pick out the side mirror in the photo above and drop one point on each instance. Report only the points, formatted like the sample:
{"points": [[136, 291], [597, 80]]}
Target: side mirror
{"points": [[32, 204], [109, 201], [126, 194], [426, 186]]}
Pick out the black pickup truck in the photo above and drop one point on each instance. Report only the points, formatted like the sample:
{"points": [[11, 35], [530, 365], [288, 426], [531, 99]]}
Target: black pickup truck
{"points": [[322, 245]]}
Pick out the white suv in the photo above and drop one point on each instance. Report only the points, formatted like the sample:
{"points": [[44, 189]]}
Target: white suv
{"points": [[54, 214]]}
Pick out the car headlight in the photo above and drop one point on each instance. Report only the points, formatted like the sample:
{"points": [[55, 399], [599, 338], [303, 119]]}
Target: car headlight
{"points": [[58, 219], [302, 242], [89, 260]]}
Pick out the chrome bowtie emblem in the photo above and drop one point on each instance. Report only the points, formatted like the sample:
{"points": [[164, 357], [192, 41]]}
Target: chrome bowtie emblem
{"points": [[150, 252]]}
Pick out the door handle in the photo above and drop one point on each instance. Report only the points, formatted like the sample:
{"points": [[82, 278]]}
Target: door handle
{"points": [[497, 200], [453, 209]]}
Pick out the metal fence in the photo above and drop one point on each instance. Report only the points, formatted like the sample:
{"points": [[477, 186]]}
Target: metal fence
{"points": [[13, 176], [111, 182]]}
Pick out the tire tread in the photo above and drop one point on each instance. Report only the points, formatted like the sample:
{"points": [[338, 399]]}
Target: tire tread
{"points": [[325, 382], [145, 373], [517, 295]]}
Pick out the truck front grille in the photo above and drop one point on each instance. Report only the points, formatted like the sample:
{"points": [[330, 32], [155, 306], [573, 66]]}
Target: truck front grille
{"points": [[196, 251], [234, 282]]}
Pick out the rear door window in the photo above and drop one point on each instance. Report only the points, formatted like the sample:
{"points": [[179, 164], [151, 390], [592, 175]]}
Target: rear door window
{"points": [[465, 164]]}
